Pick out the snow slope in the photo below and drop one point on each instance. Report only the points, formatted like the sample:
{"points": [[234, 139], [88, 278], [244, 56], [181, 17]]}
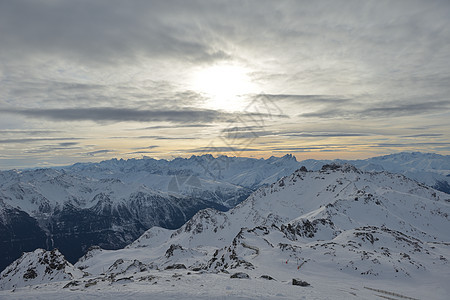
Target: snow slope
{"points": [[346, 232], [428, 168], [113, 202], [338, 205]]}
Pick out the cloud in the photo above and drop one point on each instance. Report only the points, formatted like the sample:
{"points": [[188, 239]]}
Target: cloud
{"points": [[145, 148], [29, 132], [160, 137], [424, 135], [310, 148], [51, 148], [244, 128], [220, 149], [244, 132], [251, 132], [32, 140], [308, 99], [324, 134], [176, 126], [112, 114], [142, 152], [104, 31], [407, 109], [94, 153], [396, 145], [21, 90], [360, 110]]}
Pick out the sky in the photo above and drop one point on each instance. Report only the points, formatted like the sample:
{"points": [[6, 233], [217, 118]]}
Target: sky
{"points": [[94, 80]]}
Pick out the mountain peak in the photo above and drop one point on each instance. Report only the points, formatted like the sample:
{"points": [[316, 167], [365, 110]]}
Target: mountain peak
{"points": [[39, 266], [289, 157]]}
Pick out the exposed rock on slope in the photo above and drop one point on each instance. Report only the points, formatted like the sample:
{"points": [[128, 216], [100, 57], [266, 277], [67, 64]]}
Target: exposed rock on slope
{"points": [[428, 168], [38, 267], [339, 218]]}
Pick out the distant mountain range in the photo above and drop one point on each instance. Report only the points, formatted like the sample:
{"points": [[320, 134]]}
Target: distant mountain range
{"points": [[111, 203], [428, 168], [338, 222]]}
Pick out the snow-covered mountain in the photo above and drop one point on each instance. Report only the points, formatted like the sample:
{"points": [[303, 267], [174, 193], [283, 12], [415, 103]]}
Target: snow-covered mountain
{"points": [[113, 202], [428, 168], [337, 209], [183, 175], [38, 267], [339, 224]]}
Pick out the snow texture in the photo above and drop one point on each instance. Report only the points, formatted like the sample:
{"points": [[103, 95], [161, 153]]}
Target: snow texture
{"points": [[346, 232]]}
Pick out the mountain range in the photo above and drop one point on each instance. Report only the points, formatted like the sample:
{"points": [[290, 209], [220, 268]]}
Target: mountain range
{"points": [[377, 234], [428, 168], [111, 203]]}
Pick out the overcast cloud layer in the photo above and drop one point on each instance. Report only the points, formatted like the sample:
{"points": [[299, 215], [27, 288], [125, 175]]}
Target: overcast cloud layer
{"points": [[91, 80]]}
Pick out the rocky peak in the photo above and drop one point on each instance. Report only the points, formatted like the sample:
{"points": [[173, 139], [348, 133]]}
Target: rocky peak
{"points": [[347, 168], [39, 266]]}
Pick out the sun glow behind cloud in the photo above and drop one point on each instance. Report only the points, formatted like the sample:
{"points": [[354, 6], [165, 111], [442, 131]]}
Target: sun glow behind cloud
{"points": [[147, 79], [224, 86]]}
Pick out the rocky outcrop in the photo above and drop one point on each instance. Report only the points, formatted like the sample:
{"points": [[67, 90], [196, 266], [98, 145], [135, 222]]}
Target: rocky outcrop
{"points": [[38, 267]]}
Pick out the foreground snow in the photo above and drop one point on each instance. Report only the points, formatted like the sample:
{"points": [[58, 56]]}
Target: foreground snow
{"points": [[192, 285]]}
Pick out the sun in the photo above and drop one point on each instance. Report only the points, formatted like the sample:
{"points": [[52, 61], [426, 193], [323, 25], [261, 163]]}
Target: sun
{"points": [[224, 86]]}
